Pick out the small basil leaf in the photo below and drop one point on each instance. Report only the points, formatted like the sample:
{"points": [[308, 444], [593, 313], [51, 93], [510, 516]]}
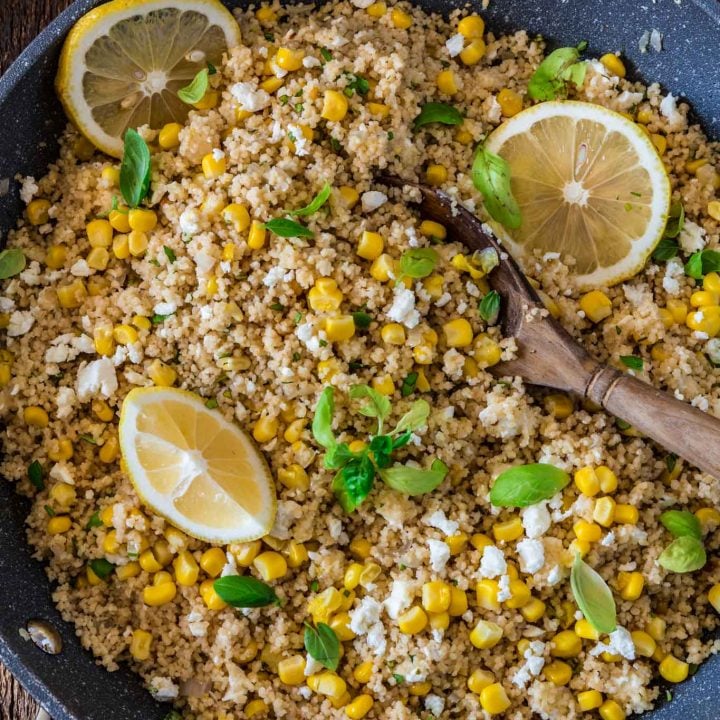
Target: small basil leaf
{"points": [[102, 568], [35, 475], [135, 169], [414, 481], [435, 112], [169, 254], [408, 384], [681, 523], [353, 483], [12, 262], [489, 307], [322, 421], [491, 176], [418, 262], [317, 202], [525, 485], [323, 645], [415, 418], [684, 554], [379, 406], [195, 91], [402, 440], [560, 67], [244, 591], [701, 263], [286, 228], [94, 521], [338, 456], [381, 447], [666, 249], [593, 597], [632, 361], [362, 320], [676, 221]]}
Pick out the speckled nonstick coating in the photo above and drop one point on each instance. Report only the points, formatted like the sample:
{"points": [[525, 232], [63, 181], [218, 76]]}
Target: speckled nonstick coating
{"points": [[70, 685]]}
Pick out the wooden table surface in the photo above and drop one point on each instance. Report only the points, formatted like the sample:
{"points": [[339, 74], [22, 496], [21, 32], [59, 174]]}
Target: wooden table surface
{"points": [[20, 22]]}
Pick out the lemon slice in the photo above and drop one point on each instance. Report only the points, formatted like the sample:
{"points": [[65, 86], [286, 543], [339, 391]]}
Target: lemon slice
{"points": [[123, 63], [589, 184], [193, 467]]}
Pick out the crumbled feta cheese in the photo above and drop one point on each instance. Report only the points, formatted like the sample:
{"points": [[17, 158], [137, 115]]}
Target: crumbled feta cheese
{"points": [[60, 472], [434, 704], [673, 271], [20, 323], [96, 377], [712, 348], [218, 154], [504, 589], [7, 305], [365, 620], [453, 363], [439, 554], [288, 511], [362, 4], [608, 540], [163, 688], [165, 308], [400, 597], [301, 143], [196, 624], [692, 237], [536, 520], [372, 200], [80, 268], [533, 665], [309, 61], [230, 567], [28, 189], [65, 400], [455, 45], [440, 521], [312, 666], [443, 300], [190, 221], [403, 309], [620, 643], [555, 575], [493, 562], [669, 109], [31, 274], [532, 555], [249, 97], [277, 274]]}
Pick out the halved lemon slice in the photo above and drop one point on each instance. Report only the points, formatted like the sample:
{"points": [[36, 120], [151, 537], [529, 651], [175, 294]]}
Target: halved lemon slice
{"points": [[123, 63], [193, 467], [590, 185]]}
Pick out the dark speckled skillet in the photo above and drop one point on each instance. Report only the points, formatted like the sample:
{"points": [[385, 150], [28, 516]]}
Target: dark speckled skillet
{"points": [[70, 685]]}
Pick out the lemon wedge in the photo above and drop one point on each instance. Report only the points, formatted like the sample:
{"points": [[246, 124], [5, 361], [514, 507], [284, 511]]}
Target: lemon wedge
{"points": [[590, 185], [123, 63], [190, 465]]}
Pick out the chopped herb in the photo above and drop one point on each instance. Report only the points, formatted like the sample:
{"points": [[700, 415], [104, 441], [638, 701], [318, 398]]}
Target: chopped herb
{"points": [[88, 439], [284, 99], [169, 253], [316, 203], [555, 72], [35, 475], [322, 343], [668, 696], [391, 135], [435, 112], [297, 319], [244, 591], [287, 228], [195, 91], [12, 262], [399, 679], [671, 461], [154, 261], [632, 361], [355, 366], [408, 384], [269, 36], [491, 176], [314, 586], [49, 511], [323, 645], [102, 568], [212, 70], [326, 54], [489, 307], [211, 403], [362, 320], [635, 194], [94, 521], [295, 356], [134, 169], [622, 424], [357, 84], [299, 93], [159, 319], [335, 145], [278, 307], [298, 107], [173, 715]]}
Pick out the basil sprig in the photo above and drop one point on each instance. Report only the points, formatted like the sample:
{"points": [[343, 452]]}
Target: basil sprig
{"points": [[686, 553], [356, 471], [593, 596], [35, 475], [525, 485], [681, 523], [408, 384], [435, 112], [135, 169], [287, 228], [491, 176], [489, 307], [632, 361], [195, 91], [323, 645], [701, 263], [244, 591], [317, 202], [12, 262], [102, 568], [560, 67], [418, 263], [668, 247]]}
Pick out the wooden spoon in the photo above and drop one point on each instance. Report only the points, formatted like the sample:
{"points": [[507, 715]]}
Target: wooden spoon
{"points": [[548, 355]]}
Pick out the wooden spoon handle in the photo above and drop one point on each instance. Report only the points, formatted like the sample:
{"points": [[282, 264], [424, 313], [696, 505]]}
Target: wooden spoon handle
{"points": [[677, 426]]}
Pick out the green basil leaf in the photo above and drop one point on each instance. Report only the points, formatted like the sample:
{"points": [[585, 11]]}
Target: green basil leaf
{"points": [[408, 384], [491, 176], [212, 70], [338, 456], [381, 447], [286, 228], [358, 84], [354, 482], [102, 568], [415, 418], [323, 645], [244, 591], [173, 715], [676, 220], [553, 74], [681, 523], [593, 596], [632, 361], [12, 262], [666, 249], [195, 91], [159, 319], [94, 521], [169, 254], [435, 112], [489, 307], [525, 485], [379, 406], [684, 554], [35, 475], [701, 263], [418, 262], [402, 440], [362, 320], [134, 169], [317, 202], [414, 481], [322, 421]]}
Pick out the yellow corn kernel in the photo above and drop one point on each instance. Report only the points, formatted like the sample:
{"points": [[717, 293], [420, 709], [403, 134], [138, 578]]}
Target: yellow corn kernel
{"points": [[378, 109], [266, 15], [363, 672], [330, 684], [360, 547], [58, 525], [38, 212], [673, 670], [713, 209], [63, 494], [400, 19], [265, 429], [464, 137], [631, 585], [447, 82], [413, 621], [678, 309], [433, 230], [604, 511], [208, 102], [351, 578], [709, 518], [656, 628], [589, 700], [714, 596], [55, 257], [692, 166], [156, 595], [340, 624], [393, 334], [111, 175], [106, 515], [383, 268], [297, 554], [100, 233], [558, 672], [255, 707], [140, 644], [613, 64], [471, 27], [706, 320], [370, 574], [125, 335], [323, 605], [533, 610], [270, 565], [212, 561], [457, 543], [486, 351], [35, 416], [213, 167], [211, 599], [125, 572], [494, 699], [186, 568], [104, 343], [607, 479], [511, 103], [458, 333], [596, 305], [148, 562], [294, 430], [335, 106], [377, 9], [711, 283], [291, 671], [340, 328], [98, 259], [288, 59], [645, 645], [508, 530], [169, 136], [436, 596], [325, 296], [436, 174], [72, 296], [142, 219], [566, 644], [420, 689], [439, 621], [141, 322], [137, 243], [660, 142], [559, 405], [245, 553], [121, 247], [486, 634], [458, 602], [519, 594], [211, 287], [294, 477], [350, 197], [585, 630], [587, 531], [626, 514], [161, 374], [702, 298], [581, 547], [359, 707], [118, 220], [237, 216], [474, 52], [480, 679], [666, 318], [486, 591], [610, 710], [423, 354], [370, 246]]}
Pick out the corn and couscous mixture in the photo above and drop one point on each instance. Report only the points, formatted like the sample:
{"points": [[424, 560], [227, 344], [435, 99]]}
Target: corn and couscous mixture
{"points": [[427, 601]]}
